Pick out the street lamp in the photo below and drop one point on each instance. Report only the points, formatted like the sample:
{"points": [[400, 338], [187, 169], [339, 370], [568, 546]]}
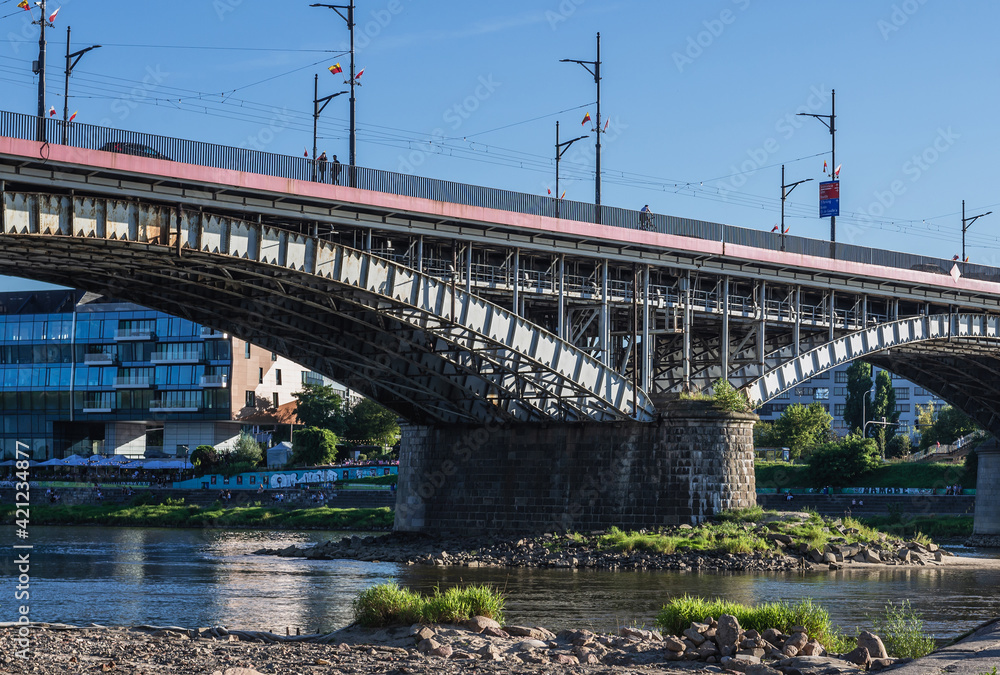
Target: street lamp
{"points": [[785, 191], [561, 149], [71, 61], [317, 109], [349, 18], [965, 226], [594, 68], [830, 121]]}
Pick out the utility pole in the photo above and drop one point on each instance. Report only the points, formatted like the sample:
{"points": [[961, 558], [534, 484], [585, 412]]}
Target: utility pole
{"points": [[785, 191], [41, 74], [967, 223], [317, 109], [349, 18], [70, 65], [594, 68], [561, 149], [830, 121]]}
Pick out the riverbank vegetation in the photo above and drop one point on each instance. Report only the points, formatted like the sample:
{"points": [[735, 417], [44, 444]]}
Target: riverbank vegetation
{"points": [[754, 530], [389, 605], [679, 613], [180, 515], [779, 475]]}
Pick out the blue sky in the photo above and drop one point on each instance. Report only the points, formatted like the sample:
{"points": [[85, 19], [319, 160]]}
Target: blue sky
{"points": [[702, 98]]}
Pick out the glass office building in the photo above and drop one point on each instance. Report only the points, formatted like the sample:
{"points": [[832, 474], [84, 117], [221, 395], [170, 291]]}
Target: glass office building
{"points": [[84, 374]]}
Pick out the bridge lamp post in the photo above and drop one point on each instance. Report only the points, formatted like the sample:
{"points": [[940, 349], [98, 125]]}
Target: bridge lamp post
{"points": [[349, 18], [830, 122], [317, 109], [967, 223], [39, 69], [71, 61], [594, 68], [785, 191], [561, 149], [882, 424]]}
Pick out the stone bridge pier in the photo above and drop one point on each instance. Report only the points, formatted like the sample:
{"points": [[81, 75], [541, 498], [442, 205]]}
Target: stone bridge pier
{"points": [[986, 523], [689, 464]]}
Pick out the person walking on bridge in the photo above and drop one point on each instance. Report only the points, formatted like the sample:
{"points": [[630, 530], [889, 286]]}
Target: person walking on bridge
{"points": [[335, 170], [646, 218]]}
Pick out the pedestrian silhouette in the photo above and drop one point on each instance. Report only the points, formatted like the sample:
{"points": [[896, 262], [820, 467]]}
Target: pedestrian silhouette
{"points": [[646, 218], [322, 166], [335, 170]]}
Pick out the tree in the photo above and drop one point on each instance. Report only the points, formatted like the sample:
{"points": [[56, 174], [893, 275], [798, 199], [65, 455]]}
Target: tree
{"points": [[841, 462], [858, 403], [801, 428], [246, 450], [899, 446], [205, 458], [764, 435], [950, 424], [318, 405], [369, 422], [883, 409], [314, 446], [925, 425]]}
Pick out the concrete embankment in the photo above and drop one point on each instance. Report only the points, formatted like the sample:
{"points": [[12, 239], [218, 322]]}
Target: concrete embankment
{"points": [[838, 505]]}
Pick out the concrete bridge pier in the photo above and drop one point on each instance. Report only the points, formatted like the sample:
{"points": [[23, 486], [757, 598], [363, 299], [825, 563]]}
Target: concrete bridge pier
{"points": [[986, 524], [692, 462]]}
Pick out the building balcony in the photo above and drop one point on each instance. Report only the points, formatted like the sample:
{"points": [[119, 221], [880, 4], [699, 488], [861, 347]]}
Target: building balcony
{"points": [[174, 406], [132, 382], [102, 359], [212, 334], [97, 407], [133, 335], [193, 356], [214, 381]]}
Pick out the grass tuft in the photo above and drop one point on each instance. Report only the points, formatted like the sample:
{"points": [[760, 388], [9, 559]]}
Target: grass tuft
{"points": [[902, 631], [389, 605]]}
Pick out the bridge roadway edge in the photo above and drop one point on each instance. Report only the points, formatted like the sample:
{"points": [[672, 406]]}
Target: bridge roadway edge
{"points": [[690, 463]]}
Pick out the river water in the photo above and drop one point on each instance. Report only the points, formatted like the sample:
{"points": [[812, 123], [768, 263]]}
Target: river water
{"points": [[192, 578]]}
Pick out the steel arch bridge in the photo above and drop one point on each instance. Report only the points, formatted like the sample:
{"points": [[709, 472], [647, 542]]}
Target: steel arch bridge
{"points": [[448, 312]]}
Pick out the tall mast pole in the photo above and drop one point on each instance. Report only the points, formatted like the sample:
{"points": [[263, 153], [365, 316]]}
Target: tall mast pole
{"points": [[41, 75]]}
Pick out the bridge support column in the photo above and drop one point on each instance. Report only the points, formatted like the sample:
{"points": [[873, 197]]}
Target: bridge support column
{"points": [[986, 524], [692, 462]]}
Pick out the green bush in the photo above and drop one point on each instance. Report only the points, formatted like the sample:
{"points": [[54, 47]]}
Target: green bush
{"points": [[677, 615], [841, 462], [389, 605], [902, 631], [728, 398]]}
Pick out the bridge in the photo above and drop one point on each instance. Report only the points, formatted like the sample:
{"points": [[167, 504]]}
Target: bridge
{"points": [[487, 321]]}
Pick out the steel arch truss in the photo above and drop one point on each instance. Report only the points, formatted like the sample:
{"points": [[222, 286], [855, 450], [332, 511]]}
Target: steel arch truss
{"points": [[421, 345], [957, 356]]}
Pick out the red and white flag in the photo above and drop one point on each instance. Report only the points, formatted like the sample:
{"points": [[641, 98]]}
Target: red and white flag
{"points": [[836, 172], [606, 123], [824, 166], [360, 73], [52, 111], [774, 229], [52, 16], [307, 153]]}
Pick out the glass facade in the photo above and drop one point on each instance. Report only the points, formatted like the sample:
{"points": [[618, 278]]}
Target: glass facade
{"points": [[72, 366]]}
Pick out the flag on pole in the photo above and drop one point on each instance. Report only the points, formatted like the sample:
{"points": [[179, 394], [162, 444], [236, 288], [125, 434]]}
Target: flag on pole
{"points": [[334, 69], [52, 111], [73, 116], [549, 189], [836, 172], [966, 259], [52, 16], [307, 152], [774, 229], [360, 73], [606, 123], [563, 195], [24, 5], [787, 229], [955, 257], [586, 118], [824, 166]]}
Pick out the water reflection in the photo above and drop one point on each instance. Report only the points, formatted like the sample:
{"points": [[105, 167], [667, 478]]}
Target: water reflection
{"points": [[196, 578]]}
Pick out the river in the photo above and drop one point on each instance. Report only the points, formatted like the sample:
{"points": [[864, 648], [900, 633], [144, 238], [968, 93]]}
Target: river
{"points": [[193, 578]]}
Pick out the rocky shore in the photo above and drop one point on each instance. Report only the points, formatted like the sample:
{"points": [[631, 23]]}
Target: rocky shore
{"points": [[479, 645], [563, 551]]}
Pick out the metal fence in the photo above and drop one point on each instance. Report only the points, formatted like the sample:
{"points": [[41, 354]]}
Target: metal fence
{"points": [[27, 127]]}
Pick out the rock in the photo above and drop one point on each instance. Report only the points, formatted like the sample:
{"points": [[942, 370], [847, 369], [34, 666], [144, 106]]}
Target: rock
{"points": [[812, 648], [489, 652], [797, 629], [694, 636], [423, 633], [495, 632], [673, 644], [879, 664], [798, 640], [816, 665], [859, 657], [761, 669], [567, 660], [871, 556], [773, 636], [478, 624], [530, 644], [443, 651], [637, 633], [755, 652], [751, 634], [873, 643], [779, 538], [524, 631], [830, 558], [428, 645], [789, 651], [728, 632], [903, 554]]}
